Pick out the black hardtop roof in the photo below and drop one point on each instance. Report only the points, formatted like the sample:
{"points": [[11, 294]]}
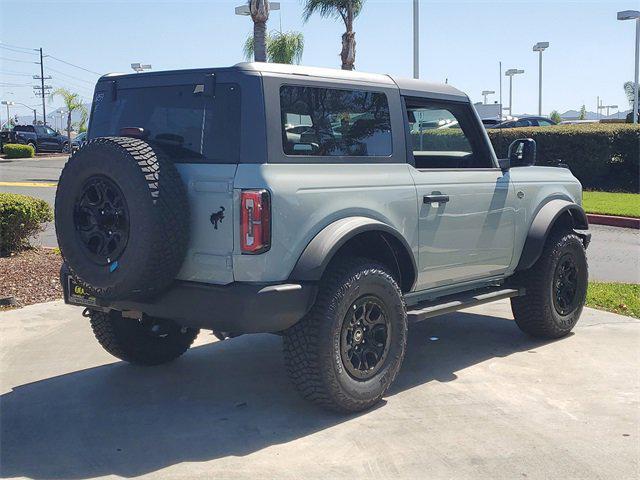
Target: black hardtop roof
{"points": [[407, 86]]}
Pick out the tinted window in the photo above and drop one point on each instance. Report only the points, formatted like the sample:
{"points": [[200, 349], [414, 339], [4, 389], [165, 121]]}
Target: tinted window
{"points": [[50, 131], [23, 128], [545, 123], [190, 127], [333, 122], [445, 135]]}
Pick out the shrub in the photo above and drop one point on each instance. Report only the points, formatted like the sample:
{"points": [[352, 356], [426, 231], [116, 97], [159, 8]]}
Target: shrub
{"points": [[20, 218], [601, 156], [14, 150]]}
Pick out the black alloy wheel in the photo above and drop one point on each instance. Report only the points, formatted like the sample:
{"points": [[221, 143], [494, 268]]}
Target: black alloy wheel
{"points": [[101, 220]]}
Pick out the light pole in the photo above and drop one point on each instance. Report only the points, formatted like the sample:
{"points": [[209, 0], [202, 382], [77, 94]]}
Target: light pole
{"points": [[608, 107], [139, 67], [485, 93], [634, 15], [416, 39], [7, 103], [510, 73], [540, 47], [30, 108]]}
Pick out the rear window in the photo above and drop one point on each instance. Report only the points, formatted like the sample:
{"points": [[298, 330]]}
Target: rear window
{"points": [[23, 128], [188, 125], [333, 122]]}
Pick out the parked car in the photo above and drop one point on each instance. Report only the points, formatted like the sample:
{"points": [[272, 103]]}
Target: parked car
{"points": [[191, 206], [79, 140], [524, 122], [41, 138]]}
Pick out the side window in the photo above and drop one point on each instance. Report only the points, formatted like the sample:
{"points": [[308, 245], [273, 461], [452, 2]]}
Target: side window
{"points": [[544, 123], [50, 131], [445, 135], [334, 122]]}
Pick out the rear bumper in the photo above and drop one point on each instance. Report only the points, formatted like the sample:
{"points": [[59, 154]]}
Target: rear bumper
{"points": [[235, 308]]}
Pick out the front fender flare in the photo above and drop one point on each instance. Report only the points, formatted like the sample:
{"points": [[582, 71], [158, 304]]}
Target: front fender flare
{"points": [[542, 225], [321, 249]]}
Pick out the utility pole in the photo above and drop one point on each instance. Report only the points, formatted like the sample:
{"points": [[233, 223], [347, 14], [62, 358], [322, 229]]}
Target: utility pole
{"points": [[44, 109], [416, 38], [500, 77]]}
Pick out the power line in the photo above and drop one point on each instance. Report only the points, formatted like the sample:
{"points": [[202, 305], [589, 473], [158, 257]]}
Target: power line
{"points": [[16, 46], [15, 50], [16, 60], [72, 65], [70, 76], [22, 74]]}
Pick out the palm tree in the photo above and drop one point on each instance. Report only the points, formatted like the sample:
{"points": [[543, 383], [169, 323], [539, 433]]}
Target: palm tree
{"points": [[73, 103], [348, 10], [282, 47], [259, 10]]}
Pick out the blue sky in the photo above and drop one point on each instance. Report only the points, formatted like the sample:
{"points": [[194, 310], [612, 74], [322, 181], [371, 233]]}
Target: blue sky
{"points": [[591, 53]]}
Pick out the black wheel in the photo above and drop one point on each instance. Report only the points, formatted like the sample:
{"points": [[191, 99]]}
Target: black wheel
{"points": [[146, 341], [65, 148], [556, 288], [33, 145], [348, 349], [122, 218]]}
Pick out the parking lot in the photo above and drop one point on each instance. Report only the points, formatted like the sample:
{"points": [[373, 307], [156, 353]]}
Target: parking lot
{"points": [[474, 399]]}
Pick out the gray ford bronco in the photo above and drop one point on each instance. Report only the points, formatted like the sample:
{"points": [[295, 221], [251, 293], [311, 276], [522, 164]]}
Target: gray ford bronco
{"points": [[332, 208]]}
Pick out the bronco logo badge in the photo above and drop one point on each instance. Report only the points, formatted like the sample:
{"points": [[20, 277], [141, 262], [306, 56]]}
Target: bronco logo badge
{"points": [[217, 217]]}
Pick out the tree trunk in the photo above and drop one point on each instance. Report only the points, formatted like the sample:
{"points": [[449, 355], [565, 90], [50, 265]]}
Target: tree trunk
{"points": [[260, 41], [69, 129], [348, 53]]}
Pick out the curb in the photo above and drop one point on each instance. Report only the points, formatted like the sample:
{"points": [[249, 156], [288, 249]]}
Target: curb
{"points": [[624, 222]]}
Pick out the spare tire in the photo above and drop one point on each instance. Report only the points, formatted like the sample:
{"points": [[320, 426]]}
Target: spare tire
{"points": [[122, 218]]}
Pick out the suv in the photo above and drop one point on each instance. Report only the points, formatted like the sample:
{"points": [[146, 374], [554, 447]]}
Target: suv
{"points": [[40, 137], [197, 204]]}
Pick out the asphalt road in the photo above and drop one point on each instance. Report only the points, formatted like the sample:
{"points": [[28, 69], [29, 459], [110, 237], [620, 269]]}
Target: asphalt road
{"points": [[475, 399], [614, 254]]}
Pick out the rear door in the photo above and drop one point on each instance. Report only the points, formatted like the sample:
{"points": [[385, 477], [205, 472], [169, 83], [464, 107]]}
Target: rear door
{"points": [[198, 130], [465, 204]]}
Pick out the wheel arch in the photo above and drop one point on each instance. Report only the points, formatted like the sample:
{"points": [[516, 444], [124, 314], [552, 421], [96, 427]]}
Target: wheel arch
{"points": [[553, 214], [362, 236]]}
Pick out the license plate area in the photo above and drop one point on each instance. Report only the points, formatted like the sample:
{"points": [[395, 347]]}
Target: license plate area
{"points": [[77, 295]]}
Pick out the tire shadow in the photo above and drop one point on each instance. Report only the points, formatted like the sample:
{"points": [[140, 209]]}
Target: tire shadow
{"points": [[222, 399]]}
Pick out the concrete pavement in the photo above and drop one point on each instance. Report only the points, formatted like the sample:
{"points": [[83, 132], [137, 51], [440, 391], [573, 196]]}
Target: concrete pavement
{"points": [[479, 401], [614, 254]]}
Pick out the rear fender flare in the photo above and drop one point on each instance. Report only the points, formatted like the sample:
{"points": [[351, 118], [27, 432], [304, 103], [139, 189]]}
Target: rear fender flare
{"points": [[542, 225], [323, 247]]}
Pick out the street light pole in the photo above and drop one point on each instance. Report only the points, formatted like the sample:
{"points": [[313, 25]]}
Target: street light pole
{"points": [[7, 103], [540, 47], [416, 39], [485, 93], [510, 73], [634, 15]]}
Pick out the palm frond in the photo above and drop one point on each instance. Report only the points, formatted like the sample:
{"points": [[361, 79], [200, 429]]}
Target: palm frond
{"points": [[331, 8], [285, 47]]}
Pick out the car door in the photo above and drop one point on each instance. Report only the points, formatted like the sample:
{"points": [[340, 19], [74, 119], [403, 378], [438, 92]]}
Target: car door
{"points": [[42, 138], [465, 202]]}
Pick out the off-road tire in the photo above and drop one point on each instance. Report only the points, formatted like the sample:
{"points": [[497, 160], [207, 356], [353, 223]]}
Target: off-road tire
{"points": [[158, 217], [312, 346], [129, 340], [535, 312]]}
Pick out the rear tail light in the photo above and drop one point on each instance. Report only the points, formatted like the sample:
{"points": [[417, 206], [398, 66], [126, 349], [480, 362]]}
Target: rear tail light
{"points": [[255, 221]]}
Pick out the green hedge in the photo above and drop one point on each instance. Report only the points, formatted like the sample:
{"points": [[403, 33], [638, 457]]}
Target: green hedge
{"points": [[602, 156], [14, 150], [20, 218]]}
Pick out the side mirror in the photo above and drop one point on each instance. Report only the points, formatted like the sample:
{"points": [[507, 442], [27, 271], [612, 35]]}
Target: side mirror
{"points": [[522, 152]]}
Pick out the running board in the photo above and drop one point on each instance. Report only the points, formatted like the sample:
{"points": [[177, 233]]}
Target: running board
{"points": [[453, 303]]}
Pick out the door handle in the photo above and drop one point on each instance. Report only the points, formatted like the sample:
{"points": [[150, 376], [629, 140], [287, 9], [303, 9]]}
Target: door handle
{"points": [[435, 199]]}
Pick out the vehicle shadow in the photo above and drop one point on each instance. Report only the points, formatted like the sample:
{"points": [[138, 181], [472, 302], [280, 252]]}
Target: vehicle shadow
{"points": [[222, 399]]}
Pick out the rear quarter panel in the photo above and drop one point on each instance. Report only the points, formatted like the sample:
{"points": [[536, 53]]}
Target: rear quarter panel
{"points": [[308, 197]]}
